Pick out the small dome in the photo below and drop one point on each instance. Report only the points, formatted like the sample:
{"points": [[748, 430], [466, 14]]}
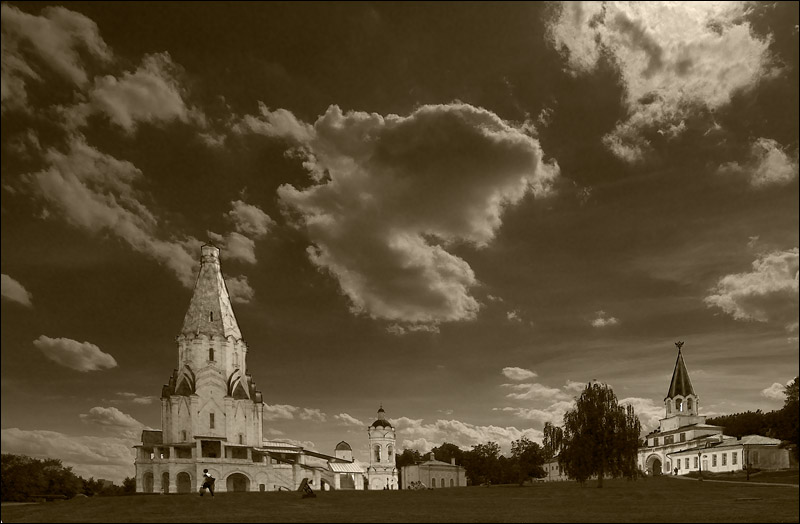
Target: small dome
{"points": [[343, 446], [381, 423]]}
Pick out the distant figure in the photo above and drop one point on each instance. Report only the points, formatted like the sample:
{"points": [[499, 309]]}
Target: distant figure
{"points": [[208, 483], [675, 471], [308, 493]]}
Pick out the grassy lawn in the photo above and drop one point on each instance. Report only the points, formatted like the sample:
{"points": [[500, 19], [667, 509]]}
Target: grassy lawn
{"points": [[650, 500], [786, 476]]}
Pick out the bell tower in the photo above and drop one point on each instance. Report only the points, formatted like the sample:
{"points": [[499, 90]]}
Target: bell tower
{"points": [[681, 405], [382, 472]]}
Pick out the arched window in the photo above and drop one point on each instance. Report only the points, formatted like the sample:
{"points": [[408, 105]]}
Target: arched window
{"points": [[452, 483], [211, 354], [689, 404], [442, 483], [241, 438], [377, 453], [389, 453], [211, 316], [183, 435], [678, 404], [211, 420]]}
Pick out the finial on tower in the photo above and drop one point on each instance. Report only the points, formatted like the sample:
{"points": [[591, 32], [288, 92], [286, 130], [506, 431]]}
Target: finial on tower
{"points": [[679, 344]]}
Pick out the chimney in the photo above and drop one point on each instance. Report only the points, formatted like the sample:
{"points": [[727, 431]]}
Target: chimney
{"points": [[453, 461]]}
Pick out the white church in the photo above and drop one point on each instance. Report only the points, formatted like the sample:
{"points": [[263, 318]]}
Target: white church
{"points": [[684, 443], [212, 417]]}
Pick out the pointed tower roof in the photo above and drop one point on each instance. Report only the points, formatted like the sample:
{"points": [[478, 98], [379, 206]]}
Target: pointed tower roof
{"points": [[210, 312], [680, 384]]}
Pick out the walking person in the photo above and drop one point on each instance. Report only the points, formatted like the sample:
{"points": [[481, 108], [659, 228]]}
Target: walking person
{"points": [[208, 483]]}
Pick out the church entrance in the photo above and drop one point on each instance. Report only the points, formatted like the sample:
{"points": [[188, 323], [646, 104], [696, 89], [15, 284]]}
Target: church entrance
{"points": [[165, 482], [184, 482], [238, 482], [654, 466], [147, 482]]}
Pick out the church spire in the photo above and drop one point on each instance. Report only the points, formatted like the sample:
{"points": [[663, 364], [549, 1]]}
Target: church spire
{"points": [[210, 312], [680, 385]]}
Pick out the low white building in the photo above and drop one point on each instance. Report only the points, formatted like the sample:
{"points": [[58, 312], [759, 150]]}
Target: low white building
{"points": [[684, 442], [435, 474]]}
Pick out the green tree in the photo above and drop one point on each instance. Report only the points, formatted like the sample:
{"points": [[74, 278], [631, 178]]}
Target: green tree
{"points": [[552, 440], [600, 437], [129, 486], [448, 451], [482, 463], [528, 459]]}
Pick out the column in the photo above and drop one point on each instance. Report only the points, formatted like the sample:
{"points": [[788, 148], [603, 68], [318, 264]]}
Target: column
{"points": [[337, 482]]}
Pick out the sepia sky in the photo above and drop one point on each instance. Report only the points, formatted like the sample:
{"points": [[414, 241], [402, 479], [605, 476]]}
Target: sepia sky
{"points": [[463, 211]]}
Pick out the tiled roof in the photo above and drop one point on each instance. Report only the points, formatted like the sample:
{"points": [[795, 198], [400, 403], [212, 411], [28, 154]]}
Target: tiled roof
{"points": [[210, 312], [680, 384]]}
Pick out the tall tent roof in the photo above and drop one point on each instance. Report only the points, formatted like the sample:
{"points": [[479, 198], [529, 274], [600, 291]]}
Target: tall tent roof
{"points": [[210, 311], [680, 384]]}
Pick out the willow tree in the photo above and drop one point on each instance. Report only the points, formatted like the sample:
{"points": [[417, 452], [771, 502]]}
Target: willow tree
{"points": [[600, 437]]}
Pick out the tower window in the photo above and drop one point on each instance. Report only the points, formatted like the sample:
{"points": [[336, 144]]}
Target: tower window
{"points": [[211, 354], [183, 435], [678, 405], [241, 438], [211, 421], [211, 316], [689, 404], [377, 453]]}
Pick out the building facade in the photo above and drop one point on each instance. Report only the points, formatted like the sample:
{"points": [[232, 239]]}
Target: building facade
{"points": [[212, 413], [382, 470], [684, 443], [434, 474]]}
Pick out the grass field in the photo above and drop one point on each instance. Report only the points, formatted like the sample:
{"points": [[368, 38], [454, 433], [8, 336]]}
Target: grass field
{"points": [[651, 500]]}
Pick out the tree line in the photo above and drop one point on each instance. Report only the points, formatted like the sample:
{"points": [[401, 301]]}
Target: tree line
{"points": [[599, 438], [24, 478], [780, 424]]}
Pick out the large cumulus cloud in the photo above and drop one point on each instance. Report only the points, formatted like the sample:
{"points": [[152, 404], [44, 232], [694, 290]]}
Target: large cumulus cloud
{"points": [[672, 60], [394, 193]]}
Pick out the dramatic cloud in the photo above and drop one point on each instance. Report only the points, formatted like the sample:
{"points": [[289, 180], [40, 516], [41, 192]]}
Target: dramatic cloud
{"points": [[776, 391], [239, 289], [768, 165], [80, 356], [279, 412], [280, 123], [150, 94], [394, 193], [95, 191], [14, 291], [514, 373], [424, 437], [649, 412], [249, 219], [601, 320], [672, 61], [287, 412], [398, 330], [54, 40], [769, 293], [535, 391], [99, 457], [553, 413], [347, 420], [312, 414], [113, 421], [235, 246], [136, 398], [575, 387]]}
